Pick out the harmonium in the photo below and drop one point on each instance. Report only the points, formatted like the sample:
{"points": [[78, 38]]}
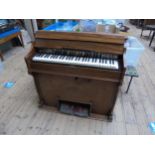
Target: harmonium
{"points": [[77, 73]]}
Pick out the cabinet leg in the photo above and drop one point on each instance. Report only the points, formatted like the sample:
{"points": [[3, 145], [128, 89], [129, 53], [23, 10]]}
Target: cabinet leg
{"points": [[110, 117], [41, 103]]}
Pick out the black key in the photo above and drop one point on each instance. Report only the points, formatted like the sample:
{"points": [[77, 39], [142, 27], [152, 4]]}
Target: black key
{"points": [[103, 61], [76, 58], [45, 56], [62, 57], [39, 55]]}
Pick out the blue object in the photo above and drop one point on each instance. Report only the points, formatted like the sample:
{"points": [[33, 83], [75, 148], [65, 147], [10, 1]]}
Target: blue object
{"points": [[8, 33], [152, 127], [61, 26], [9, 84], [88, 25]]}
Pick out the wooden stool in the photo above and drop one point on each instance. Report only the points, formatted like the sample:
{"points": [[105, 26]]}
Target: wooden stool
{"points": [[10, 37], [132, 72]]}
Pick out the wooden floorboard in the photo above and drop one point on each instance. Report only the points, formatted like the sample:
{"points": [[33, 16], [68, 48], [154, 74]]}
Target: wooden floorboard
{"points": [[20, 114]]}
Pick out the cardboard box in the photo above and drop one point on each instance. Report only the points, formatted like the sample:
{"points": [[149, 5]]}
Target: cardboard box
{"points": [[106, 28]]}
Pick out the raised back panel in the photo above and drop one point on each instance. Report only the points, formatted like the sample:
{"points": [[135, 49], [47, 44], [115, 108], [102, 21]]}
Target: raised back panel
{"points": [[82, 36], [100, 42]]}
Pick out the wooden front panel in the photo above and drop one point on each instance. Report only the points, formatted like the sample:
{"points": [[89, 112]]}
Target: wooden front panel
{"points": [[81, 36], [100, 94], [75, 71]]}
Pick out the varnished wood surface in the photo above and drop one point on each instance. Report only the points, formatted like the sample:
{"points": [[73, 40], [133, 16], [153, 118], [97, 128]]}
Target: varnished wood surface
{"points": [[75, 71], [19, 113], [79, 45], [81, 36]]}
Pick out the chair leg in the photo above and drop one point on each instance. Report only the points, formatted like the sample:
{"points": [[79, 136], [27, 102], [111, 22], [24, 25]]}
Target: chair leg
{"points": [[141, 33], [129, 84], [149, 34], [1, 56], [152, 38], [21, 39]]}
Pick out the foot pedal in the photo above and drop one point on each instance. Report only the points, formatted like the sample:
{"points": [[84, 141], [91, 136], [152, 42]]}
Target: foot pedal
{"points": [[74, 108]]}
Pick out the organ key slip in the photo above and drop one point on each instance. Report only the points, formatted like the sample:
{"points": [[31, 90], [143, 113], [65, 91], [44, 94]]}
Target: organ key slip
{"points": [[83, 69]]}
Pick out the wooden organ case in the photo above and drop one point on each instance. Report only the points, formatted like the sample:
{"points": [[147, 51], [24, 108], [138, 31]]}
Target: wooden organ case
{"points": [[85, 68]]}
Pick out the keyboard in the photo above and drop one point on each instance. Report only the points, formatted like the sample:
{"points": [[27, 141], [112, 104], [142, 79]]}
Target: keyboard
{"points": [[80, 59]]}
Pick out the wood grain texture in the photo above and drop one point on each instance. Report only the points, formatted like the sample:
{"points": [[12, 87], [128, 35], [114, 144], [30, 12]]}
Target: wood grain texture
{"points": [[80, 45], [81, 36]]}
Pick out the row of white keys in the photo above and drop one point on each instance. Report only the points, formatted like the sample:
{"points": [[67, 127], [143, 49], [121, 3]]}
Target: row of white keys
{"points": [[77, 61], [97, 63]]}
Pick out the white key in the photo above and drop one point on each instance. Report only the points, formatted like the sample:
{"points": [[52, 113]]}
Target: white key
{"points": [[116, 64]]}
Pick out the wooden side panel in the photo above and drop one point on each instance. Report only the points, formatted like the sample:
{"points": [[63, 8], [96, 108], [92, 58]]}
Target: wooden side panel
{"points": [[28, 58]]}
